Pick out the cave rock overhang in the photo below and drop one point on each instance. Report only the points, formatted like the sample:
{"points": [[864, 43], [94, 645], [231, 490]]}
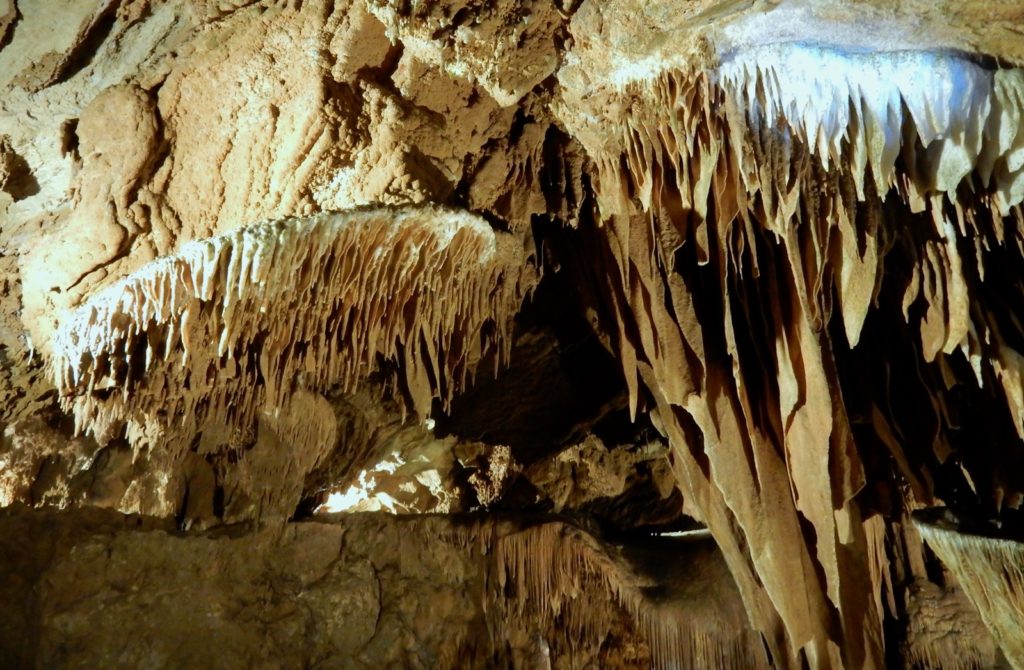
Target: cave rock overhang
{"points": [[851, 83], [233, 325], [750, 112]]}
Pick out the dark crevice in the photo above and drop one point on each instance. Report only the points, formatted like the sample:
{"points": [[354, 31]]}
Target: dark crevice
{"points": [[14, 17], [87, 45], [19, 182], [69, 139], [561, 382]]}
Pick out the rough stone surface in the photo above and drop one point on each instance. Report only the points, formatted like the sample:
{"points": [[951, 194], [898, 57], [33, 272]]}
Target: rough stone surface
{"points": [[361, 590]]}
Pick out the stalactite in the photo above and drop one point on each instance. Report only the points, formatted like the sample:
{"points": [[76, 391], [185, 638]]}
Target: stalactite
{"points": [[745, 206], [991, 572], [551, 565], [233, 325]]}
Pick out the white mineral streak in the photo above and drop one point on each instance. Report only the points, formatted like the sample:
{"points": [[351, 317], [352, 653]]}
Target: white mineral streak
{"points": [[303, 302], [991, 573]]}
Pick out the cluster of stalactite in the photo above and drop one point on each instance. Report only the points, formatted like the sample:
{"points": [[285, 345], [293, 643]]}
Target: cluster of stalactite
{"points": [[808, 265], [548, 574], [232, 326], [806, 259], [991, 571]]}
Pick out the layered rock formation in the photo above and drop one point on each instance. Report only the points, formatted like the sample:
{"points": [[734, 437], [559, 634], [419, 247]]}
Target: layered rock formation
{"points": [[589, 272]]}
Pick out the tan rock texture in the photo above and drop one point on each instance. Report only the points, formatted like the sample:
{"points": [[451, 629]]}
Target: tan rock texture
{"points": [[360, 590], [645, 265]]}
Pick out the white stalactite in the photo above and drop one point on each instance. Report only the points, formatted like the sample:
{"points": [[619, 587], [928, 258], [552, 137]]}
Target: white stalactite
{"points": [[234, 324]]}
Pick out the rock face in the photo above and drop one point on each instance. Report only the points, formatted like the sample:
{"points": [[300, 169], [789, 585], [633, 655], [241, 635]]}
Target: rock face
{"points": [[361, 590], [749, 269]]}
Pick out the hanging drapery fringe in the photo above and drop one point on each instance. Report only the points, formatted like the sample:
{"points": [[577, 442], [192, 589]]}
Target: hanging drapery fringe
{"points": [[991, 572], [744, 204], [233, 325]]}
